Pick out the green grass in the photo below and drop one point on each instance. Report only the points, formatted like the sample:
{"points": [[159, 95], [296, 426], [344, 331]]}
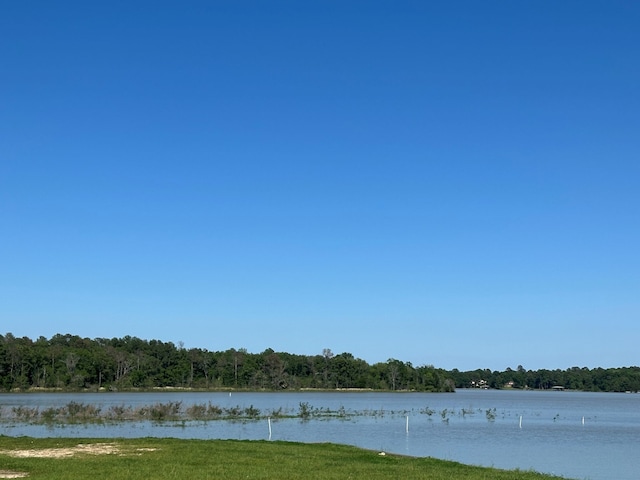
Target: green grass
{"points": [[166, 458]]}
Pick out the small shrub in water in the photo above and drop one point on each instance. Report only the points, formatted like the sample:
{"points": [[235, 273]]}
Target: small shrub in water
{"points": [[276, 413], [25, 414], [233, 411], [252, 412], [428, 411], [214, 410], [197, 412], [164, 411], [118, 412], [49, 415], [305, 410]]}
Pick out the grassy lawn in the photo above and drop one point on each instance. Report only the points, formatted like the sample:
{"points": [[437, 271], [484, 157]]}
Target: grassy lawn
{"points": [[165, 458]]}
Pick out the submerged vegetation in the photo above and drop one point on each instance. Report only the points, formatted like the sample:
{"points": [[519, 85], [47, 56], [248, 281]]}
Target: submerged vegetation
{"points": [[69, 362], [157, 458], [174, 411]]}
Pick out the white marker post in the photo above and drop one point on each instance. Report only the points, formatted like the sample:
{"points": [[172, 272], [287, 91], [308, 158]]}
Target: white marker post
{"points": [[520, 421], [269, 422], [407, 424]]}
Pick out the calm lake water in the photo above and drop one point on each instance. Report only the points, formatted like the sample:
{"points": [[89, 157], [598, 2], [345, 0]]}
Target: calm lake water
{"points": [[577, 435]]}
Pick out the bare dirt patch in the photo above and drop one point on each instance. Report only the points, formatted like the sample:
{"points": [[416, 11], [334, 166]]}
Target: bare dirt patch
{"points": [[82, 448], [89, 449], [12, 474]]}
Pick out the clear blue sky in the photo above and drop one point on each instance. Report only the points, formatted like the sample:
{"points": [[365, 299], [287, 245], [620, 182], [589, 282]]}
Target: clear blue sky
{"points": [[446, 183]]}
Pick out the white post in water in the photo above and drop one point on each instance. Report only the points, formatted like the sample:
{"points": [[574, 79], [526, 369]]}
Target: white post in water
{"points": [[269, 422], [520, 421], [583, 420], [407, 423]]}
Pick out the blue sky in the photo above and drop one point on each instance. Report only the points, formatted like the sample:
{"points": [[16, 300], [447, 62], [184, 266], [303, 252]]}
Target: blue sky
{"points": [[446, 183]]}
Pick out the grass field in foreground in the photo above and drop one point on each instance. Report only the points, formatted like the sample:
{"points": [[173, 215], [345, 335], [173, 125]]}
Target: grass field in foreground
{"points": [[166, 458]]}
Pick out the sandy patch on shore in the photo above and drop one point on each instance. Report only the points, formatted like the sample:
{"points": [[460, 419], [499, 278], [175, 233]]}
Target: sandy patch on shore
{"points": [[86, 448], [12, 474], [82, 448], [90, 449]]}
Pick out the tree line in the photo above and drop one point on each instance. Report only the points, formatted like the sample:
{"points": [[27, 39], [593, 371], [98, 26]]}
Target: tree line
{"points": [[74, 363], [70, 362], [623, 379]]}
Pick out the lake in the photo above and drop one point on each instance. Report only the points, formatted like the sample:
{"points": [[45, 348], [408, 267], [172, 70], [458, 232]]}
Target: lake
{"points": [[577, 435]]}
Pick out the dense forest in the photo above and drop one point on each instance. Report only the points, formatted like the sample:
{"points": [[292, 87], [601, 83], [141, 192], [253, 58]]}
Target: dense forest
{"points": [[70, 362], [75, 363]]}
